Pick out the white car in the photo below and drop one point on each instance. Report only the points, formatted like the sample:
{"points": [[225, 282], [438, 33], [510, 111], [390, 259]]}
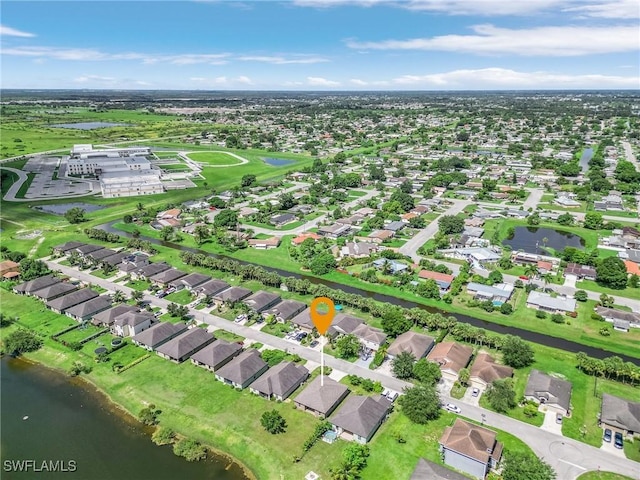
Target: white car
{"points": [[452, 408]]}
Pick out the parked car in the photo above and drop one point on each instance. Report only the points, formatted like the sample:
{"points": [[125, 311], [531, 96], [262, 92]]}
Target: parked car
{"points": [[240, 318], [314, 344], [607, 435], [617, 440], [523, 277], [558, 418], [452, 408], [475, 392]]}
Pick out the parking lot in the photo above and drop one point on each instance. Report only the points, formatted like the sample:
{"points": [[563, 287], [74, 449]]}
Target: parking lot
{"points": [[44, 185]]}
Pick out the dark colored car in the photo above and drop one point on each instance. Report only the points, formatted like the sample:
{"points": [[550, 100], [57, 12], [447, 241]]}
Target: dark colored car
{"points": [[607, 435], [617, 440]]}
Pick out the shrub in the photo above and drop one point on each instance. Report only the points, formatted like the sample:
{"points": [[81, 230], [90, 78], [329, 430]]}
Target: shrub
{"points": [[541, 314], [149, 415], [557, 318], [190, 449], [21, 341], [163, 436], [506, 309], [605, 332]]}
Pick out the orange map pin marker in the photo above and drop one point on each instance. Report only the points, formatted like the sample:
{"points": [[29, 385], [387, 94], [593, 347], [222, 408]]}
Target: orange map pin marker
{"points": [[322, 321]]}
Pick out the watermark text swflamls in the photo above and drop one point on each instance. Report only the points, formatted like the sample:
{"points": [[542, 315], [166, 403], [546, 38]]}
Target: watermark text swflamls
{"points": [[38, 466]]}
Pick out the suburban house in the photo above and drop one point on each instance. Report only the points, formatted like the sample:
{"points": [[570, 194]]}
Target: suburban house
{"points": [[264, 243], [395, 226], [452, 357], [550, 391], [28, 288], [280, 381], [357, 249], [216, 354], [303, 321], [305, 236], [620, 415], [53, 291], [426, 470], [232, 295], [485, 370], [9, 269], [442, 279], [243, 369], [334, 231], [97, 256], [394, 266], [166, 277], [191, 281], [282, 219], [582, 272], [621, 320], [212, 287], [477, 256], [261, 300], [160, 333], [379, 236], [132, 263], [547, 303], [498, 293], [66, 247], [84, 311], [370, 338], [470, 448], [148, 271], [128, 324], [321, 400], [567, 202], [86, 249], [613, 201], [411, 342], [107, 317], [359, 417], [344, 323], [286, 310], [62, 304], [180, 348]]}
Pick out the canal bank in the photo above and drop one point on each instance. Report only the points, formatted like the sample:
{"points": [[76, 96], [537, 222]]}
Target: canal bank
{"points": [[73, 427], [536, 337]]}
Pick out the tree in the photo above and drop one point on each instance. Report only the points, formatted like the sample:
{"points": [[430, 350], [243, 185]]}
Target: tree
{"points": [[201, 233], [30, 269], [494, 277], [248, 180], [163, 436], [526, 466], [533, 219], [137, 296], [395, 322], [166, 233], [226, 219], [501, 395], [22, 341], [612, 272], [450, 224], [128, 218], [273, 422], [634, 281], [427, 372], [566, 219], [463, 376], [356, 455], [149, 415], [420, 403], [581, 296], [75, 215], [118, 296], [403, 364], [593, 221], [322, 264], [405, 200], [516, 352], [287, 201], [190, 449], [347, 346], [428, 289], [606, 300], [506, 309]]}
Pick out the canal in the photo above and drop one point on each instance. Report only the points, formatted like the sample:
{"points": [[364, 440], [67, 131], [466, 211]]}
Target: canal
{"points": [[50, 417], [542, 339]]}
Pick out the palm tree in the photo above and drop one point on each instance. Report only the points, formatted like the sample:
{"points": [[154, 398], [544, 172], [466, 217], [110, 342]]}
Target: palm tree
{"points": [[137, 296], [118, 296]]}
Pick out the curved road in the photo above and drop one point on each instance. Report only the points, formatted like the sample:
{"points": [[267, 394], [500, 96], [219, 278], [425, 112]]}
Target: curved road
{"points": [[10, 196], [568, 457]]}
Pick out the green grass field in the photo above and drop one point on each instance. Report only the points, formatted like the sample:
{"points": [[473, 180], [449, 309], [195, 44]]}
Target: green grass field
{"points": [[602, 476], [181, 297], [214, 158]]}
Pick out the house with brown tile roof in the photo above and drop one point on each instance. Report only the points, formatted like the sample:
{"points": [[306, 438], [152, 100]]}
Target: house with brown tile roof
{"points": [[485, 370], [452, 357], [470, 448], [9, 269], [411, 342]]}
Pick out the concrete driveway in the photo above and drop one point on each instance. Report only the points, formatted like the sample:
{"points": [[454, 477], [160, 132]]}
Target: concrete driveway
{"points": [[570, 281], [610, 448], [550, 423], [470, 399]]}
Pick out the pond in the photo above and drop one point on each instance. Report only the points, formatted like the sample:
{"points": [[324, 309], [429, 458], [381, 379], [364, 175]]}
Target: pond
{"points": [[89, 125], [587, 155], [534, 239], [47, 416], [62, 208], [277, 162]]}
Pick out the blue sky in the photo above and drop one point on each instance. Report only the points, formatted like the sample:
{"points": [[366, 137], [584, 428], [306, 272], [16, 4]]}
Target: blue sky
{"points": [[322, 44]]}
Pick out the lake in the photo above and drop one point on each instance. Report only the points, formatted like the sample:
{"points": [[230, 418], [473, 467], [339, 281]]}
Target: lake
{"points": [[587, 155], [89, 125], [70, 421], [277, 162], [530, 239], [62, 208]]}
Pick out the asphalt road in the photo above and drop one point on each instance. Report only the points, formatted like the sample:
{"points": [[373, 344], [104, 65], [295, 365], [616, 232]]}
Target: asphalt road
{"points": [[568, 457]]}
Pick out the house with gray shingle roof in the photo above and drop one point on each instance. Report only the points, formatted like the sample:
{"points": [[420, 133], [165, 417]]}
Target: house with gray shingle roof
{"points": [[303, 321], [232, 295], [84, 311], [67, 246], [168, 276], [107, 317], [212, 287], [159, 334], [550, 391], [280, 381], [62, 304], [243, 369], [286, 310], [261, 300], [545, 302], [426, 470], [27, 288], [191, 281], [321, 400], [149, 270], [53, 291], [129, 324], [359, 417], [620, 415], [216, 355], [180, 348]]}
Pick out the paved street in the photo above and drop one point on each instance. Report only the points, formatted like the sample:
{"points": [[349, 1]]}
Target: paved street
{"points": [[568, 457], [532, 201]]}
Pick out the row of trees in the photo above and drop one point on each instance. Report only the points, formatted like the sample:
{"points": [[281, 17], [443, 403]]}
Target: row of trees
{"points": [[103, 235], [612, 368]]}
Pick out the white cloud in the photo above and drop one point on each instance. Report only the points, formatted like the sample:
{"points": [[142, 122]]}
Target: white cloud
{"points": [[231, 82], [321, 82], [95, 79], [277, 60], [12, 32], [501, 78], [357, 81], [543, 41], [244, 80], [611, 9]]}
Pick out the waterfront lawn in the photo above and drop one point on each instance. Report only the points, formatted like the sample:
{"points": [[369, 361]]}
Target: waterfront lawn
{"points": [[127, 354], [33, 314], [182, 297], [80, 333]]}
